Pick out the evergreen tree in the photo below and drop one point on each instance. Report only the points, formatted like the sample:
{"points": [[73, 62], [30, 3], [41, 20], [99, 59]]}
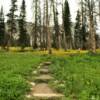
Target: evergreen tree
{"points": [[67, 25], [84, 26], [77, 33], [12, 22], [35, 27], [2, 28], [23, 36]]}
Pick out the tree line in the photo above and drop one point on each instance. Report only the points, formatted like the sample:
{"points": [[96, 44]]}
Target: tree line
{"points": [[47, 32]]}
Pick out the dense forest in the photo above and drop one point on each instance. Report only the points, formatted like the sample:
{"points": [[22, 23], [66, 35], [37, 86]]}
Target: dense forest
{"points": [[46, 31]]}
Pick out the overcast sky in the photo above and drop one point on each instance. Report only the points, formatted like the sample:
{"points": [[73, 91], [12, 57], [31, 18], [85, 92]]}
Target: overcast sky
{"points": [[6, 4]]}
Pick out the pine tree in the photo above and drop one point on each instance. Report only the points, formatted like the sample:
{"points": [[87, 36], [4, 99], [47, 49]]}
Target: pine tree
{"points": [[84, 35], [2, 28], [63, 32], [12, 22], [77, 33], [23, 36], [35, 27], [84, 26], [67, 25]]}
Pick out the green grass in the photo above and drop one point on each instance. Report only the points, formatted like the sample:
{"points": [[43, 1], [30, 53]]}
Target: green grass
{"points": [[15, 70], [78, 76]]}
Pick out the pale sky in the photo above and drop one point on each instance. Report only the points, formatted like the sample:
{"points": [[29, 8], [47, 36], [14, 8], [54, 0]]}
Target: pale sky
{"points": [[6, 4]]}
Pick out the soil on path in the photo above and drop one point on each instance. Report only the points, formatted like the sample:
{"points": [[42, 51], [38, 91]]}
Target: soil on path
{"points": [[41, 90]]}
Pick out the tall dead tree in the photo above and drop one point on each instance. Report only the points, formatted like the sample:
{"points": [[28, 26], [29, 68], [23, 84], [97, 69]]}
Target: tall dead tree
{"points": [[56, 26], [84, 32], [63, 31], [99, 10], [40, 25], [90, 7], [36, 31], [44, 34], [47, 28]]}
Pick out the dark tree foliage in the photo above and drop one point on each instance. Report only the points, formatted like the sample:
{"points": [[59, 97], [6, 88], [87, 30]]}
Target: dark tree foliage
{"points": [[84, 36], [67, 25], [77, 33], [12, 21], [2, 28], [23, 36]]}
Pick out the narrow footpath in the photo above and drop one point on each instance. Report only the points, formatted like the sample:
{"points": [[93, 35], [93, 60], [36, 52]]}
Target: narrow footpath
{"points": [[41, 89]]}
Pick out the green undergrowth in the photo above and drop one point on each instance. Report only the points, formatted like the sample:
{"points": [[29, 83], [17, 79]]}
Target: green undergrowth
{"points": [[15, 70], [77, 76]]}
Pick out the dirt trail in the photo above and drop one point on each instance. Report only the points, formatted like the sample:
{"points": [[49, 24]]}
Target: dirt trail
{"points": [[41, 90]]}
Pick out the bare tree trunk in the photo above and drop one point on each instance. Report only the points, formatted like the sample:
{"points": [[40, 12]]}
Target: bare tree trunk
{"points": [[47, 30], [92, 36], [99, 10], [56, 25], [64, 37]]}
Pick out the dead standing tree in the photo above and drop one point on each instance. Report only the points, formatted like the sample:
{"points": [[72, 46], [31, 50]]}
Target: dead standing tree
{"points": [[47, 28], [90, 12], [56, 25], [36, 31]]}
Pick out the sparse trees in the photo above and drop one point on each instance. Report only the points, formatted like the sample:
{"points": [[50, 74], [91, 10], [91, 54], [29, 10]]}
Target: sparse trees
{"points": [[90, 11], [45, 36]]}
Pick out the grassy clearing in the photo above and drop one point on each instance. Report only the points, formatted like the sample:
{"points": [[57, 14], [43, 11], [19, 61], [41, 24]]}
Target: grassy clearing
{"points": [[78, 76], [15, 69]]}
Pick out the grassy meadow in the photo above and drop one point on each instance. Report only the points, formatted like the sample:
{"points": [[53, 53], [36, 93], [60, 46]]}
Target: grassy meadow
{"points": [[15, 70], [77, 75]]}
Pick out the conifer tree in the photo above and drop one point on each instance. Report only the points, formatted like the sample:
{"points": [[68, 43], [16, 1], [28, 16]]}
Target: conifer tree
{"points": [[77, 33], [35, 27], [84, 26], [2, 28], [56, 26], [67, 25], [23, 36], [11, 22]]}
